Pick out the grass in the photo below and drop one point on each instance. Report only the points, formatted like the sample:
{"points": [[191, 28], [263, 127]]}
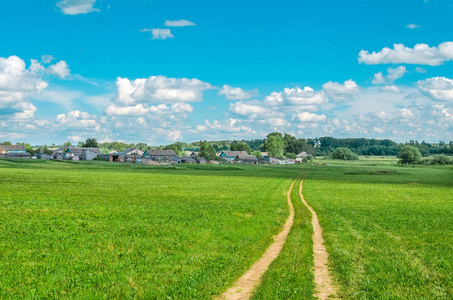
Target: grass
{"points": [[99, 230], [290, 276], [388, 237]]}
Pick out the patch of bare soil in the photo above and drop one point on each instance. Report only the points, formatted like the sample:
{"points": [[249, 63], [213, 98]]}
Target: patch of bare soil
{"points": [[323, 280], [244, 287]]}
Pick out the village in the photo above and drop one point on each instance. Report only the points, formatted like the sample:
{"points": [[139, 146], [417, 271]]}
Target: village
{"points": [[150, 157]]}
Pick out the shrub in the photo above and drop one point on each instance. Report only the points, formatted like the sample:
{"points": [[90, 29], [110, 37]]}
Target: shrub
{"points": [[291, 155], [410, 155], [344, 154], [441, 160]]}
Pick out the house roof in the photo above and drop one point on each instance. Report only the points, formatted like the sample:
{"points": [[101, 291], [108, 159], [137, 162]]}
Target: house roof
{"points": [[247, 157], [77, 150], [234, 153], [302, 154], [161, 153], [15, 147]]}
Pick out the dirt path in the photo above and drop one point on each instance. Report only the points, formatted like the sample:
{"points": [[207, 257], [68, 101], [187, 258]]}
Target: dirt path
{"points": [[323, 280], [243, 288]]}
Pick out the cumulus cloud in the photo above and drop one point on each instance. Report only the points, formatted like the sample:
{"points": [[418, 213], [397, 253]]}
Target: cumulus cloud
{"points": [[392, 75], [249, 110], [60, 69], [340, 91], [420, 70], [159, 89], [438, 88], [179, 23], [227, 126], [77, 120], [307, 117], [232, 93], [296, 97], [421, 54], [76, 7], [412, 26], [47, 59], [159, 33], [391, 88], [17, 84]]}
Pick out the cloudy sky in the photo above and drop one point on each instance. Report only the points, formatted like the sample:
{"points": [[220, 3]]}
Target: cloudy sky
{"points": [[161, 71]]}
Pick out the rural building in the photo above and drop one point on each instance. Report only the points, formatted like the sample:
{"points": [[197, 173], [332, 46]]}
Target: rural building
{"points": [[43, 156], [187, 160], [81, 153], [128, 155], [274, 161], [246, 159], [202, 160], [231, 155], [17, 151], [161, 155]]}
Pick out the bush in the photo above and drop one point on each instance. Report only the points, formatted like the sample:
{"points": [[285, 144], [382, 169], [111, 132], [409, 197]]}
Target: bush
{"points": [[291, 155], [410, 155], [344, 154], [99, 158], [441, 160]]}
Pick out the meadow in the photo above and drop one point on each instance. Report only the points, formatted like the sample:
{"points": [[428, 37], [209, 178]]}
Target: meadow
{"points": [[388, 229], [100, 230]]}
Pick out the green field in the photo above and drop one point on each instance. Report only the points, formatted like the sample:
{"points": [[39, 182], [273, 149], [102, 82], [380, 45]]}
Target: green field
{"points": [[114, 231], [102, 230]]}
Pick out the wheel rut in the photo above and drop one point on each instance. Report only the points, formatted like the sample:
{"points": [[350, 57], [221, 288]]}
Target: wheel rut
{"points": [[323, 280], [245, 285]]}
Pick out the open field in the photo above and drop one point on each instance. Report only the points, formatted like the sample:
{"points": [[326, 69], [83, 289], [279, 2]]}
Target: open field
{"points": [[388, 230], [100, 230]]}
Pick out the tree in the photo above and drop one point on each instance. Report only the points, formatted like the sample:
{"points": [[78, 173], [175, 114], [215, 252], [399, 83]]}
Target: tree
{"points": [[409, 155], [207, 151], [241, 147], [7, 143], [344, 154], [67, 144], [91, 143], [256, 153], [274, 145]]}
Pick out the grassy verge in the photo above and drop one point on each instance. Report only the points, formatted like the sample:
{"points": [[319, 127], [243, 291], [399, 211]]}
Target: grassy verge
{"points": [[290, 276]]}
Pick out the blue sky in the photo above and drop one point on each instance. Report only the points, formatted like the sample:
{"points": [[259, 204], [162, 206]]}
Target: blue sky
{"points": [[161, 71]]}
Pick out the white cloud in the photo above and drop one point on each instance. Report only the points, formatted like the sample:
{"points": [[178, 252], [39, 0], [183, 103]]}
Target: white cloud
{"points": [[339, 91], [136, 110], [17, 84], [179, 23], [159, 33], [159, 89], [232, 93], [421, 54], [420, 70], [438, 88], [392, 75], [405, 113], [60, 69], [227, 126], [412, 26], [296, 97], [76, 7], [47, 59], [391, 88], [248, 110], [307, 117], [77, 120]]}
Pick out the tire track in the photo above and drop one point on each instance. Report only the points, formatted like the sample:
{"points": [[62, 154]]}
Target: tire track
{"points": [[245, 285], [323, 280]]}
